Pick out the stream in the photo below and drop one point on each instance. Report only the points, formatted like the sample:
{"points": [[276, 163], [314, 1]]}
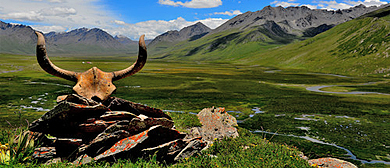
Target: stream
{"points": [[349, 153], [318, 89], [257, 111]]}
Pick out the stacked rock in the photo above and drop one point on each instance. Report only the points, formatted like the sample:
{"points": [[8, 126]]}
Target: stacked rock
{"points": [[82, 130]]}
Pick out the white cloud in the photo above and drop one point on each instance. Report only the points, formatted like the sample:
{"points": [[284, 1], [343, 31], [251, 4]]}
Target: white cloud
{"points": [[47, 29], [170, 3], [284, 4], [65, 15], [230, 13], [310, 6], [68, 14], [367, 2], [153, 28], [331, 5], [213, 22], [119, 22], [23, 16], [58, 11], [193, 3], [57, 1], [39, 15]]}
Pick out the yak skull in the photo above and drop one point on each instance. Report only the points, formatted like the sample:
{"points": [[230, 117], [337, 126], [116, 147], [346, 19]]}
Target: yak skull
{"points": [[93, 83]]}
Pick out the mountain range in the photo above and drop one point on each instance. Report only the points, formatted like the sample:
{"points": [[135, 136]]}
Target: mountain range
{"points": [[170, 38], [21, 39], [358, 47], [269, 27], [273, 36], [194, 32], [355, 45], [287, 24], [295, 20]]}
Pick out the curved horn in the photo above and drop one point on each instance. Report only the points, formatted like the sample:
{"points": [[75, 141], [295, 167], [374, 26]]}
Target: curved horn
{"points": [[47, 65], [137, 66]]}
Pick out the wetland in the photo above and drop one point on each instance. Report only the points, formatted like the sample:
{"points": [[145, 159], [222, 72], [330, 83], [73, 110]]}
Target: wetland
{"points": [[264, 99]]}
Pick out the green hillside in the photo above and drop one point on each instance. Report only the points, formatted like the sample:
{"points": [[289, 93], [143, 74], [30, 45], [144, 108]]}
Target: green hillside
{"points": [[357, 47], [14, 45], [228, 45]]}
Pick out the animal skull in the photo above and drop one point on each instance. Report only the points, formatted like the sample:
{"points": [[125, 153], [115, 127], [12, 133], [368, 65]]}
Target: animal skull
{"points": [[93, 83]]}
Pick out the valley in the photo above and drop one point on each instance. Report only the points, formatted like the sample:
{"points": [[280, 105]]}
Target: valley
{"points": [[358, 122], [321, 86]]}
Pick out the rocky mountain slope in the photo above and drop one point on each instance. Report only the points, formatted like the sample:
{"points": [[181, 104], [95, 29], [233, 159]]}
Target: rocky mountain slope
{"points": [[258, 31], [171, 38], [358, 47], [192, 32], [16, 39], [294, 20]]}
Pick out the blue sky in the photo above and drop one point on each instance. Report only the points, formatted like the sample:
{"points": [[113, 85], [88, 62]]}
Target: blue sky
{"points": [[133, 18]]}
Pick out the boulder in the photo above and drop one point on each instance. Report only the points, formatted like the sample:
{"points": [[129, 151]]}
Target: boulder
{"points": [[216, 124]]}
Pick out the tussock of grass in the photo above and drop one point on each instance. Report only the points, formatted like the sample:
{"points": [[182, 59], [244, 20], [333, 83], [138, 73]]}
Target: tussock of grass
{"points": [[185, 121]]}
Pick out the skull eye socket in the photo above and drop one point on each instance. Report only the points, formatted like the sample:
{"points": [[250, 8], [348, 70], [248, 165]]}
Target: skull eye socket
{"points": [[97, 99]]}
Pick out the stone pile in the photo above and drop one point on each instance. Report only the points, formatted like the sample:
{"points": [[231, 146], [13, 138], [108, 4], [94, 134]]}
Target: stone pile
{"points": [[82, 130]]}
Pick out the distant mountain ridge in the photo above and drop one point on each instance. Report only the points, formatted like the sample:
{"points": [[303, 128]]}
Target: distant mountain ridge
{"points": [[127, 41], [21, 39], [92, 40], [194, 32]]}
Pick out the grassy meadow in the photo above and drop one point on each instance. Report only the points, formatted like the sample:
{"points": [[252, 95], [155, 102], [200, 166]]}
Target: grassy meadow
{"points": [[359, 47], [359, 123]]}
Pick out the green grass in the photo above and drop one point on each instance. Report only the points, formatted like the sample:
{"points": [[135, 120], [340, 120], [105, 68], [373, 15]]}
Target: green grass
{"points": [[184, 121], [190, 87], [337, 50], [359, 47], [225, 46], [246, 151], [242, 74]]}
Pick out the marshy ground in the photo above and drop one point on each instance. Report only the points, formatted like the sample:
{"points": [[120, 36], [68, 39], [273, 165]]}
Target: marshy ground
{"points": [[357, 122]]}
